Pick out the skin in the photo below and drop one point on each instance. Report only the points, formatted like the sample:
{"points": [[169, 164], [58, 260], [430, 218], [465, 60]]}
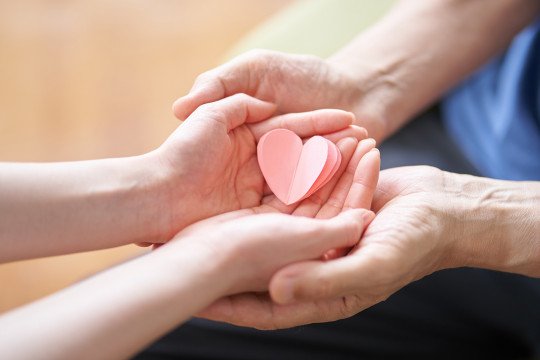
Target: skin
{"points": [[58, 208], [115, 314], [420, 227], [127, 312], [385, 76]]}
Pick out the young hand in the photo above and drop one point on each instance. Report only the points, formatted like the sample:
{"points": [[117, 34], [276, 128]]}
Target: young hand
{"points": [[210, 161]]}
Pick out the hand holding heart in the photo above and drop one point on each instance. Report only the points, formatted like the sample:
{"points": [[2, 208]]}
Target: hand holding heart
{"points": [[352, 187], [210, 162]]}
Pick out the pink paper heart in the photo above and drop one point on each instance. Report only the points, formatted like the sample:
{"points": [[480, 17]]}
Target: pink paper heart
{"points": [[293, 170]]}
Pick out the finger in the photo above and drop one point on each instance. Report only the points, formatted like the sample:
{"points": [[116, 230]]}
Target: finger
{"points": [[258, 311], [234, 111], [341, 192], [313, 237], [217, 219], [357, 132], [336, 200], [307, 124], [340, 252], [310, 206], [339, 231], [360, 193], [230, 78], [365, 181], [316, 280]]}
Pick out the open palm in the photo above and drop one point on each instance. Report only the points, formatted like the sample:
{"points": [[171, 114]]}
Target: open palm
{"points": [[213, 154], [400, 245], [352, 187]]}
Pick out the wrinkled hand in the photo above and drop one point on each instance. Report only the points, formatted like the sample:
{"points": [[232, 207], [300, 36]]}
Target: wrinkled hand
{"points": [[406, 241], [351, 188], [210, 162], [295, 83]]}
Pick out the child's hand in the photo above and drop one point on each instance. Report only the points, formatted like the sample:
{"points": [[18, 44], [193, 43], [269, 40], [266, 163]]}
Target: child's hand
{"points": [[209, 164], [249, 249]]}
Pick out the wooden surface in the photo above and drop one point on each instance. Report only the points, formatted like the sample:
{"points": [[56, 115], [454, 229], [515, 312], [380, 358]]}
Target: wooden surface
{"points": [[92, 79]]}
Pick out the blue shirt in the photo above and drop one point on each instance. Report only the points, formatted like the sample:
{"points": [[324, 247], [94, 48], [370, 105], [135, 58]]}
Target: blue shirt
{"points": [[494, 116]]}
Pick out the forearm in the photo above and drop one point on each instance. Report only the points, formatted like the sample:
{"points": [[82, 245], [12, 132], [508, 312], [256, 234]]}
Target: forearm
{"points": [[117, 312], [422, 48], [497, 224], [57, 208]]}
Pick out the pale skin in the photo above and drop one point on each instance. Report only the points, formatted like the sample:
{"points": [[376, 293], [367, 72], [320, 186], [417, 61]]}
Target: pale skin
{"points": [[121, 310], [385, 76], [74, 206]]}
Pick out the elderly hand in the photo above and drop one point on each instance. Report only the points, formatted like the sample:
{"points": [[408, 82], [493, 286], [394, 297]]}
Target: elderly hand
{"points": [[294, 83], [426, 220]]}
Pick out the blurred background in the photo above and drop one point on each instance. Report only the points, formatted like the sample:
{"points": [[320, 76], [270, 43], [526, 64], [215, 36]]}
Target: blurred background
{"points": [[94, 79]]}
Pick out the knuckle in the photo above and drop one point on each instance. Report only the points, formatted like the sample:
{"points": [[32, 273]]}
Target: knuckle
{"points": [[257, 54]]}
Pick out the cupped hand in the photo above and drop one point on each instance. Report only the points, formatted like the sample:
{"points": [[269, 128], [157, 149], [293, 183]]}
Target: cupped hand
{"points": [[210, 161], [407, 240], [295, 83], [351, 188]]}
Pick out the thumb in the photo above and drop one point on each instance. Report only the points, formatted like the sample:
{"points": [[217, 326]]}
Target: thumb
{"points": [[228, 79], [317, 280], [362, 272], [208, 91]]}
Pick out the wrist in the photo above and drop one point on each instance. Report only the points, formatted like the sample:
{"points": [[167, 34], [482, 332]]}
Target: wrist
{"points": [[145, 189], [373, 94], [196, 261], [496, 224]]}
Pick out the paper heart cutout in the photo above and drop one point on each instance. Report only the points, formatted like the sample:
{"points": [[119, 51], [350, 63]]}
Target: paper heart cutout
{"points": [[293, 170]]}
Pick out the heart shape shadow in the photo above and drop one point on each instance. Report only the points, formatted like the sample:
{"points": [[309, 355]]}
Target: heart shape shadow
{"points": [[292, 170]]}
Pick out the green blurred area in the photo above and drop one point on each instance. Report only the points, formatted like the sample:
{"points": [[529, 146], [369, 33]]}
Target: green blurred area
{"points": [[317, 27]]}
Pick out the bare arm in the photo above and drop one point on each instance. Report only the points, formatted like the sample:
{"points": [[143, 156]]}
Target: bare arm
{"points": [[387, 74], [58, 208], [115, 313], [119, 311], [499, 224], [423, 48]]}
